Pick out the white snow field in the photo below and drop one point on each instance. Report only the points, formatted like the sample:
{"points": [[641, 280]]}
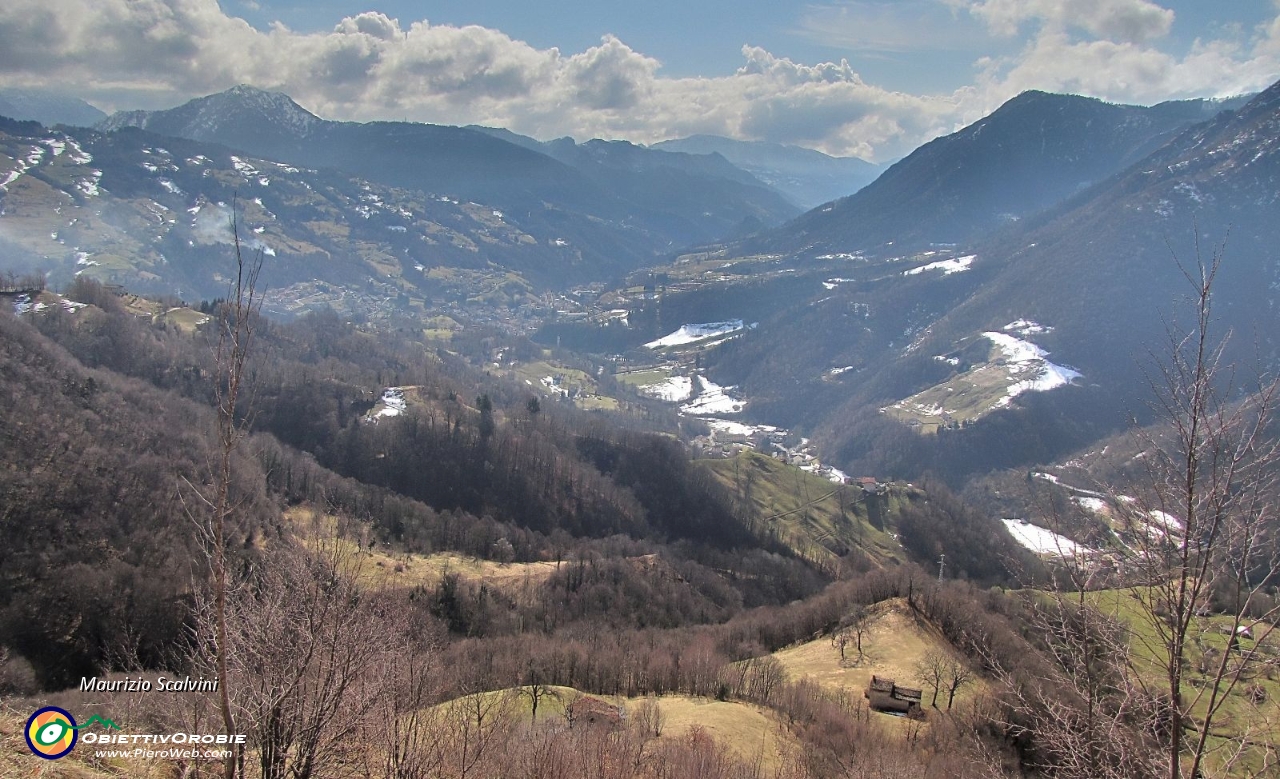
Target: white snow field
{"points": [[1025, 358], [673, 390], [1040, 540], [947, 267], [696, 332], [713, 399]]}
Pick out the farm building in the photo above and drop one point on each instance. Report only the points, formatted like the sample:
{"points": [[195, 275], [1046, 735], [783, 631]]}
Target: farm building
{"points": [[884, 695]]}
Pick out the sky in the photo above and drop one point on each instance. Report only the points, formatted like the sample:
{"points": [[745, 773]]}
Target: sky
{"points": [[868, 78]]}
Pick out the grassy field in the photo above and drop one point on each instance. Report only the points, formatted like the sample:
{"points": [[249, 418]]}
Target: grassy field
{"points": [[548, 377], [185, 319], [750, 731], [894, 644], [405, 571], [414, 570], [1240, 717], [644, 378], [964, 397], [440, 328], [819, 519]]}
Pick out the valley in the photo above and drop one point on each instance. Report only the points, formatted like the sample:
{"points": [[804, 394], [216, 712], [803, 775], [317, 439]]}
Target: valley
{"points": [[458, 453]]}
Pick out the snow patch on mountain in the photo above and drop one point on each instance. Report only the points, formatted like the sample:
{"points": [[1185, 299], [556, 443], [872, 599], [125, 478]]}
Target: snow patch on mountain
{"points": [[13, 176], [730, 427], [1023, 358], [673, 390], [22, 304], [78, 155], [1040, 540], [948, 267], [393, 403], [1094, 505], [713, 399], [1025, 327], [696, 332], [89, 187]]}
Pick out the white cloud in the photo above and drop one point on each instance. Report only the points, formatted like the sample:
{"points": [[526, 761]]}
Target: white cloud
{"points": [[1269, 34], [370, 66], [610, 76], [1118, 20], [1117, 60], [372, 23]]}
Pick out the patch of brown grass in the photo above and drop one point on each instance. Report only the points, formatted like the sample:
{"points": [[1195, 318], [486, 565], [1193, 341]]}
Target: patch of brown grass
{"points": [[894, 644], [404, 571]]}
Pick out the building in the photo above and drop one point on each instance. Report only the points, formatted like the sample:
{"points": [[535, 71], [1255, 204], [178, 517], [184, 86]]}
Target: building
{"points": [[884, 695]]}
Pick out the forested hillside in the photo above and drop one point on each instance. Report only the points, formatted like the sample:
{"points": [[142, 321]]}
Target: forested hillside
{"points": [[468, 464]]}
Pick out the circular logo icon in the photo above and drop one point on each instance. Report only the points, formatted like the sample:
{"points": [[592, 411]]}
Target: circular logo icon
{"points": [[51, 733]]}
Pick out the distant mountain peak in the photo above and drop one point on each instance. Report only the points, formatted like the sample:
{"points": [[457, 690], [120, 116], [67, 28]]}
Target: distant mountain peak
{"points": [[49, 107], [205, 117], [1032, 152], [275, 106], [249, 89]]}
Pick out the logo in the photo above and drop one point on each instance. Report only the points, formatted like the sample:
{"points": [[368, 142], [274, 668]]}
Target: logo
{"points": [[52, 732]]}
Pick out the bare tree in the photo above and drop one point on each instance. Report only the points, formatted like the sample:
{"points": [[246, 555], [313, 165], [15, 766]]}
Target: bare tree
{"points": [[412, 747], [237, 320], [931, 670], [958, 674], [649, 717], [313, 655], [766, 675], [1197, 544], [535, 691], [851, 631], [1205, 524], [474, 729]]}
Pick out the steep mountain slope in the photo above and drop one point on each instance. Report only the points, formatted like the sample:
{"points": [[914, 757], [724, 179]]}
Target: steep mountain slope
{"points": [[1032, 152], [1026, 345], [1097, 282], [540, 191], [1104, 268], [809, 178]]}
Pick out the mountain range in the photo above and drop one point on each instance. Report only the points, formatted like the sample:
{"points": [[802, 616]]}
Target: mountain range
{"points": [[1021, 338], [808, 177], [1024, 263], [1032, 152], [644, 211], [358, 216]]}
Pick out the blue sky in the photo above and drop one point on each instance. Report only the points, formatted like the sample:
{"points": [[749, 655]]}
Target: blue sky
{"points": [[872, 78], [917, 45]]}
